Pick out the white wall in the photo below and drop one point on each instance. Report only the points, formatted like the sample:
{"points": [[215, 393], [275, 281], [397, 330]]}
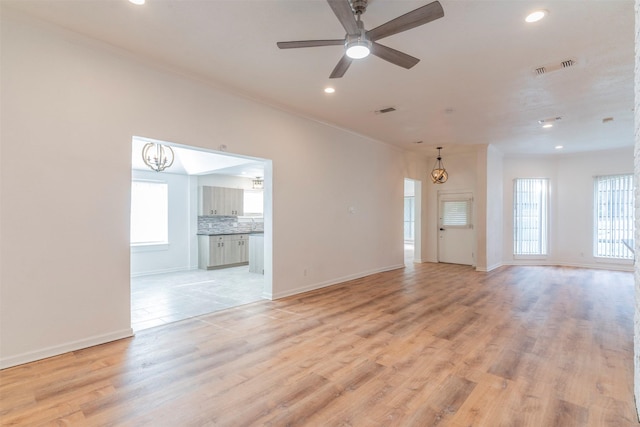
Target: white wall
{"points": [[462, 171], [571, 203], [70, 107], [495, 201], [636, 353], [181, 253]]}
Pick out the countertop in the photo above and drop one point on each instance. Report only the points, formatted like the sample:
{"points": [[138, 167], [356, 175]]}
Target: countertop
{"points": [[213, 233]]}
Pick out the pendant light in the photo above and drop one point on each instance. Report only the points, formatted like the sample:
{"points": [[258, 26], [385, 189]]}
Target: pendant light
{"points": [[258, 183], [157, 156], [439, 175]]}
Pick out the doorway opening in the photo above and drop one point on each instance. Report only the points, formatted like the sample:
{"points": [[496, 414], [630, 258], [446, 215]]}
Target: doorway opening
{"points": [[412, 227], [169, 279]]}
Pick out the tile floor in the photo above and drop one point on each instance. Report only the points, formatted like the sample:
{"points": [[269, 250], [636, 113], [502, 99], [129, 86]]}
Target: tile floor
{"points": [[158, 299], [163, 298]]}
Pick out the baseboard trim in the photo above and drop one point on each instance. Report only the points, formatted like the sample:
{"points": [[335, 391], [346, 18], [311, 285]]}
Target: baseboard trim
{"points": [[593, 266], [489, 268], [168, 270], [333, 282], [57, 350]]}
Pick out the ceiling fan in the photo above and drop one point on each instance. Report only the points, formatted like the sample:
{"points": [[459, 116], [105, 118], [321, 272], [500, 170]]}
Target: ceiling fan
{"points": [[359, 42]]}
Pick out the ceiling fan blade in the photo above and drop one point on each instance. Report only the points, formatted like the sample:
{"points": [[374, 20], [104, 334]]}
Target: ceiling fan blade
{"points": [[394, 56], [415, 18], [341, 67], [309, 43], [344, 13]]}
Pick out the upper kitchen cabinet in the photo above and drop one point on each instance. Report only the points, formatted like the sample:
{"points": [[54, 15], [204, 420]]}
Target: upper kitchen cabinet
{"points": [[233, 201], [221, 201]]}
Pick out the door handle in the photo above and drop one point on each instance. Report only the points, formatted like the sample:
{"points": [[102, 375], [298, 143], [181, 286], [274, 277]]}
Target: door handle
{"points": [[442, 229]]}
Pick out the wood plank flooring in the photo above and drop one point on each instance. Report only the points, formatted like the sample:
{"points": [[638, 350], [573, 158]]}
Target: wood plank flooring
{"points": [[428, 345]]}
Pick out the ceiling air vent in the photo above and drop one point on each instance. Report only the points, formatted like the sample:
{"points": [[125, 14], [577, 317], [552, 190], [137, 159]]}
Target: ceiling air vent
{"points": [[385, 110], [545, 69]]}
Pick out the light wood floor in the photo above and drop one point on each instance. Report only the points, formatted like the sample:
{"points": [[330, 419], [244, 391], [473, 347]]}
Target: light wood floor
{"points": [[428, 345]]}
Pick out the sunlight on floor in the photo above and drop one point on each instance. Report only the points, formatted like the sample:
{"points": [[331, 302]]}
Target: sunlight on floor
{"points": [[408, 253]]}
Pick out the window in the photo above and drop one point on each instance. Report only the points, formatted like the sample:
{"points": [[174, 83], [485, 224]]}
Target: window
{"points": [[409, 221], [149, 213], [614, 216], [530, 216], [253, 203], [456, 213]]}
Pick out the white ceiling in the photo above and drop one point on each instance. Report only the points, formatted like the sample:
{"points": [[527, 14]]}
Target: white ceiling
{"points": [[475, 82], [193, 161]]}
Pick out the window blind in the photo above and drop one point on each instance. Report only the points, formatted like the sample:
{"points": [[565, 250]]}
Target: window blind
{"points": [[614, 217], [456, 213], [530, 232]]}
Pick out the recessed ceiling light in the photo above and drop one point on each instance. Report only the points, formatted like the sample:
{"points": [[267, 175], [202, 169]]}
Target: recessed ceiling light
{"points": [[329, 90], [547, 125], [536, 15], [559, 147], [138, 2]]}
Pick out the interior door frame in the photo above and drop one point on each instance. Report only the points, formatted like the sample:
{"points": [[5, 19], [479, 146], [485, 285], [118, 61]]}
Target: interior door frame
{"points": [[417, 219]]}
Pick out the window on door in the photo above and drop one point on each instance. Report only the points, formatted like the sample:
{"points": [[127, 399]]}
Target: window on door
{"points": [[530, 205], [614, 217], [149, 213], [456, 213]]}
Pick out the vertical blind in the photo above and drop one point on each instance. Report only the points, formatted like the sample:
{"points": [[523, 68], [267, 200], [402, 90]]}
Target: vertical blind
{"points": [[530, 232], [614, 216]]}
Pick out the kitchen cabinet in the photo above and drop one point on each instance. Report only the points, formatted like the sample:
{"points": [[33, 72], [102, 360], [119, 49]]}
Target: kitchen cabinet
{"points": [[233, 201], [237, 248], [222, 251], [221, 201]]}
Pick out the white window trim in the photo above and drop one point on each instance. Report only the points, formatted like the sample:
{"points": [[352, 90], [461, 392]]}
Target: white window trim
{"points": [[149, 247], [547, 223], [594, 229]]}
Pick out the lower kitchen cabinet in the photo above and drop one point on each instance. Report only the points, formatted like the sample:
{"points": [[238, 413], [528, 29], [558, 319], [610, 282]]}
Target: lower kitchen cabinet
{"points": [[237, 248], [223, 251]]}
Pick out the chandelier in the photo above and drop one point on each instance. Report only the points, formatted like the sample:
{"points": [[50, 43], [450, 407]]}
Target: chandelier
{"points": [[157, 156], [258, 183], [439, 175]]}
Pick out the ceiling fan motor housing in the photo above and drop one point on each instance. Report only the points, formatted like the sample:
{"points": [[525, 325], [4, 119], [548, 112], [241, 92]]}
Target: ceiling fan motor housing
{"points": [[359, 43], [359, 6]]}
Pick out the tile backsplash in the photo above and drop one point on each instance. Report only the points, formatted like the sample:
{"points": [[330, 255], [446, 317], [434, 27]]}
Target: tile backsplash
{"points": [[229, 224]]}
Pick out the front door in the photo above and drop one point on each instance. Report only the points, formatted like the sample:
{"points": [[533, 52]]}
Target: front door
{"points": [[455, 228]]}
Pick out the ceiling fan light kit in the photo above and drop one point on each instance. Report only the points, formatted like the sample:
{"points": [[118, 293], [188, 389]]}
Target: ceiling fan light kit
{"points": [[359, 43], [358, 49]]}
